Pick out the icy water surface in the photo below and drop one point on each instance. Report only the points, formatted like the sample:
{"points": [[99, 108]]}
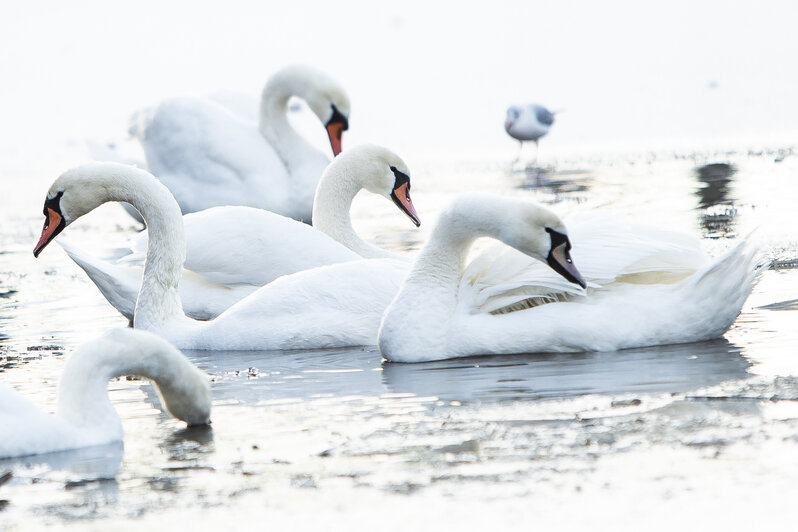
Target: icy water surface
{"points": [[690, 435]]}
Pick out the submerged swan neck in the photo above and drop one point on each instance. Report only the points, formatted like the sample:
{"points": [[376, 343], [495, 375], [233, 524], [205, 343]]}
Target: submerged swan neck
{"points": [[83, 390]]}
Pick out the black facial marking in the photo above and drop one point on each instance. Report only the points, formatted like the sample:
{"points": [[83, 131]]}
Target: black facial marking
{"points": [[557, 239], [51, 204], [567, 270], [401, 179], [338, 118], [54, 203]]}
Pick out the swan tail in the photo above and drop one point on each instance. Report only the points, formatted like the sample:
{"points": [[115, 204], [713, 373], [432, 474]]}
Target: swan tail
{"points": [[726, 283], [117, 284]]}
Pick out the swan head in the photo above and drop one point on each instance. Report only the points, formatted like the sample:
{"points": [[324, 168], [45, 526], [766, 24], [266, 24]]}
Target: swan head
{"points": [[71, 196], [541, 234], [380, 171], [325, 97], [331, 106], [525, 225]]}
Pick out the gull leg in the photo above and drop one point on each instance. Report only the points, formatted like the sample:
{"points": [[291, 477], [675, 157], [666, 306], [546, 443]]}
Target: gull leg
{"points": [[520, 149]]}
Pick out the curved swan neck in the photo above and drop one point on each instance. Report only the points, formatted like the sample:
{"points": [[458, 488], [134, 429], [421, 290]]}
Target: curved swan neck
{"points": [[274, 125], [83, 389], [428, 299], [159, 299], [331, 211]]}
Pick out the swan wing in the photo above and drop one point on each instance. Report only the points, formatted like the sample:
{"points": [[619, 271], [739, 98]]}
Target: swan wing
{"points": [[330, 306], [243, 245], [700, 307], [120, 283]]}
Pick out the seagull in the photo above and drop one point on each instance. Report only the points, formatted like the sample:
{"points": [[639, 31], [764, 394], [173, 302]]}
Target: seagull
{"points": [[528, 122]]}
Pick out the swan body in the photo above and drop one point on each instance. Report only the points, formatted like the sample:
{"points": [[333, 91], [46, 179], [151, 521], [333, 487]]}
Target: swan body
{"points": [[330, 306], [85, 416], [667, 293], [231, 251], [207, 155]]}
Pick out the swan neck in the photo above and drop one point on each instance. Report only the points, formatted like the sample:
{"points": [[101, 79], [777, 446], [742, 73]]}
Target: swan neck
{"points": [[274, 124], [158, 300], [332, 206], [444, 255], [83, 389]]}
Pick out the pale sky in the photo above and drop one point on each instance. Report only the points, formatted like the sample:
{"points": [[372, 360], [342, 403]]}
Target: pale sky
{"points": [[421, 75]]}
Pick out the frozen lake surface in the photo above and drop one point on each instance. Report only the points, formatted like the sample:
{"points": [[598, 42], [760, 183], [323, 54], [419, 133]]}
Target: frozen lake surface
{"points": [[695, 435]]}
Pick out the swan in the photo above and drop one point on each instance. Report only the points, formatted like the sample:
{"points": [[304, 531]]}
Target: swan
{"points": [[232, 251], [674, 298], [85, 416], [207, 155], [330, 306], [528, 122]]}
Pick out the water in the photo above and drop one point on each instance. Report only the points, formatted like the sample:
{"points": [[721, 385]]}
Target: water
{"points": [[669, 436]]}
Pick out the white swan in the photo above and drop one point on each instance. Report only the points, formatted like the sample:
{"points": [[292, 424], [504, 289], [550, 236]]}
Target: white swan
{"points": [[661, 300], [85, 416], [331, 306], [209, 156], [233, 251]]}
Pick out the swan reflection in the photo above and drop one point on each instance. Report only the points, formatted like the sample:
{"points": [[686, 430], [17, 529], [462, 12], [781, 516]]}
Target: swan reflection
{"points": [[662, 369], [253, 377]]}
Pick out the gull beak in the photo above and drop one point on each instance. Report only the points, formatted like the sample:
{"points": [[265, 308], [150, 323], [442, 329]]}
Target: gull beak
{"points": [[401, 196], [560, 261], [53, 224]]}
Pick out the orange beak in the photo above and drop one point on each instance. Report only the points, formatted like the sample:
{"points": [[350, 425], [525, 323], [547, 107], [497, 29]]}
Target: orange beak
{"points": [[401, 197], [53, 224], [335, 131]]}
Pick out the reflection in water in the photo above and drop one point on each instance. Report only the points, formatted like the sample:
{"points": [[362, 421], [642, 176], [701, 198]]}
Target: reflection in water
{"points": [[248, 377], [189, 444], [557, 182], [673, 368], [251, 377], [86, 464], [717, 207]]}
